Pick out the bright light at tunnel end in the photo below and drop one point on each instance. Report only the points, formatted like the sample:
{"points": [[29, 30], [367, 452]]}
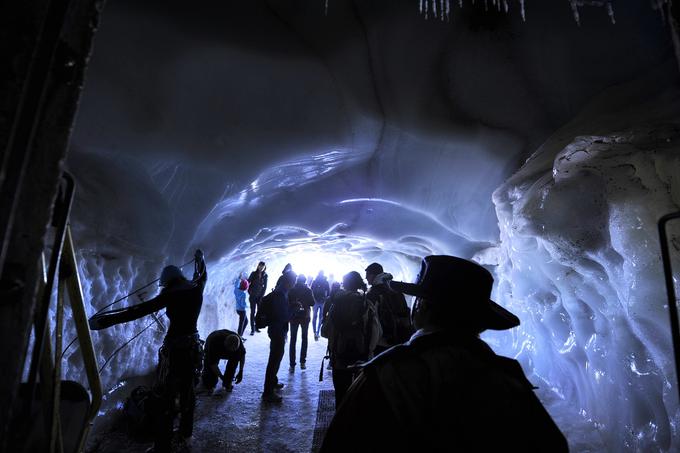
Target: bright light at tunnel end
{"points": [[309, 263]]}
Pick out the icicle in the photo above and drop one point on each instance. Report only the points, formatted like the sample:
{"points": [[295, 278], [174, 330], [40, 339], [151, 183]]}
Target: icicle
{"points": [[421, 7], [610, 11], [434, 8], [521, 10], [574, 8], [659, 5], [448, 10], [427, 8], [326, 8]]}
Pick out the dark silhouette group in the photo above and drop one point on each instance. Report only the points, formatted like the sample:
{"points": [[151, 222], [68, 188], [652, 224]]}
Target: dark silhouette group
{"points": [[405, 379]]}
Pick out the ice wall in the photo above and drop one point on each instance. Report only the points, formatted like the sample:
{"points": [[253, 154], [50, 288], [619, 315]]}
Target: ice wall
{"points": [[121, 227], [580, 264]]}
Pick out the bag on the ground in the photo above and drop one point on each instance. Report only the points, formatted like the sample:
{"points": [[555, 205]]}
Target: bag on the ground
{"points": [[264, 312], [139, 410]]}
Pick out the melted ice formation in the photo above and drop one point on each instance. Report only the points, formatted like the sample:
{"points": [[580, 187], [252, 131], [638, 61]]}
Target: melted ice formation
{"points": [[580, 265]]}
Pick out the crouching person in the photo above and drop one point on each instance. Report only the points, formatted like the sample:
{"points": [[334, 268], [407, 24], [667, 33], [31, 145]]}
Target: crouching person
{"points": [[223, 345], [180, 356]]}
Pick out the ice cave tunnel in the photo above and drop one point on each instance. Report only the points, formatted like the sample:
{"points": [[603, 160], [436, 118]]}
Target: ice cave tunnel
{"points": [[540, 140]]}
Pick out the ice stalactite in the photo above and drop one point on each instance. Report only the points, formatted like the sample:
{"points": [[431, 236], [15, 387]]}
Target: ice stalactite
{"points": [[441, 9], [580, 265], [607, 4]]}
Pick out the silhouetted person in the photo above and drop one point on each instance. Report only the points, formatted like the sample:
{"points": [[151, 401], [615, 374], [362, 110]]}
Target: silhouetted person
{"points": [[257, 286], [445, 390], [300, 300], [348, 342], [181, 353], [393, 311], [277, 330], [223, 345], [320, 290], [335, 287], [240, 288]]}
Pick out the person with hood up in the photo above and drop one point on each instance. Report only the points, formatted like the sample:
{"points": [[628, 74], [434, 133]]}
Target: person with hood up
{"points": [[240, 288]]}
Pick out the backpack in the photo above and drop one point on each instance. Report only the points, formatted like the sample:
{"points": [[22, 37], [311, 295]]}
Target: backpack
{"points": [[355, 329], [297, 305], [264, 312], [140, 410], [297, 311], [394, 316]]}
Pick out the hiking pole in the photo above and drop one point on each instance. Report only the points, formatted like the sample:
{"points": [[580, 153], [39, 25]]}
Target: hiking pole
{"points": [[327, 356]]}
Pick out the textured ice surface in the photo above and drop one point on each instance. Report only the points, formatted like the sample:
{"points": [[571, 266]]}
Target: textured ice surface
{"points": [[580, 264]]}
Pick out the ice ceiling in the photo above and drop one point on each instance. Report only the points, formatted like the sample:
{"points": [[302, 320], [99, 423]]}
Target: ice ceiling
{"points": [[542, 148]]}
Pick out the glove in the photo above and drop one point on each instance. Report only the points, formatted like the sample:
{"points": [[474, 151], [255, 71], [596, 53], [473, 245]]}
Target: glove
{"points": [[238, 378]]}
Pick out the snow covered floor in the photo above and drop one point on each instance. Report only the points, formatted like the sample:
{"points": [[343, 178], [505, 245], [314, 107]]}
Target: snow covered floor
{"points": [[240, 421]]}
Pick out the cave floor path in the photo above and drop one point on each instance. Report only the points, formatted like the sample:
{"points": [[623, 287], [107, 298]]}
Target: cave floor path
{"points": [[240, 421]]}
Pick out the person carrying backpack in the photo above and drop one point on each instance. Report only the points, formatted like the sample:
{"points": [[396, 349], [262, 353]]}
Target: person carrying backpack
{"points": [[275, 316], [300, 300], [351, 332], [445, 389], [393, 311]]}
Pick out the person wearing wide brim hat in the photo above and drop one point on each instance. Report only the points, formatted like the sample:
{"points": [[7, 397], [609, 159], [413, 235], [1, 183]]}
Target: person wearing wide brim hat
{"points": [[460, 290], [445, 389]]}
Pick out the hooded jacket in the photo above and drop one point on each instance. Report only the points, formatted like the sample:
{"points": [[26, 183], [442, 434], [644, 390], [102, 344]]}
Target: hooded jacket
{"points": [[240, 296]]}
